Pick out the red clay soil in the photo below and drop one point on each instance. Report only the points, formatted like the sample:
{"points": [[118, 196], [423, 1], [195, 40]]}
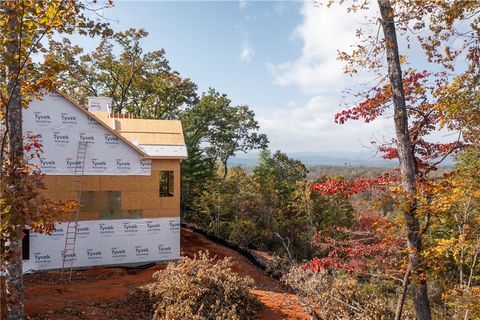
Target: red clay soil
{"points": [[105, 293]]}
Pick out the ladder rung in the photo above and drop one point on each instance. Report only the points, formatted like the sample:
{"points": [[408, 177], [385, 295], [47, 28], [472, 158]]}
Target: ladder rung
{"points": [[71, 233]]}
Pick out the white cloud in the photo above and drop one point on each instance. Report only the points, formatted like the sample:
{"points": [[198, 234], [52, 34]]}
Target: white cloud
{"points": [[242, 4], [323, 32], [247, 53], [311, 127], [317, 72]]}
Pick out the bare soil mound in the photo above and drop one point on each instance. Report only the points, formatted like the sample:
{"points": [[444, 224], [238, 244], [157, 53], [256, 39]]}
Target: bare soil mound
{"points": [[104, 293]]}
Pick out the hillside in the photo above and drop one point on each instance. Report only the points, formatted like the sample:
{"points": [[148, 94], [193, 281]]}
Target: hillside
{"points": [[313, 158], [105, 293]]}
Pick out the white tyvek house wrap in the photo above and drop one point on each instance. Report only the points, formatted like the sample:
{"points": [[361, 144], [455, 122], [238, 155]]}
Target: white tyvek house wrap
{"points": [[108, 242], [61, 125], [156, 150]]}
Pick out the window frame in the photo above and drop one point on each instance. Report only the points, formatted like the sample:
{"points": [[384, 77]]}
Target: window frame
{"points": [[166, 187]]}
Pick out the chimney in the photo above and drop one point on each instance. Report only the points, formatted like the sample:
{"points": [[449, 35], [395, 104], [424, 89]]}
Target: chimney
{"points": [[100, 104]]}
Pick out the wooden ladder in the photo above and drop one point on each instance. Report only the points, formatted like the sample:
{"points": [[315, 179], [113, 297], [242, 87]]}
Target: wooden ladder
{"points": [[71, 232]]}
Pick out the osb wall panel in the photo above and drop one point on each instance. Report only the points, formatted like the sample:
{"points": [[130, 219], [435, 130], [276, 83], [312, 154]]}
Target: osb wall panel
{"points": [[50, 182], [163, 213], [125, 183], [137, 192]]}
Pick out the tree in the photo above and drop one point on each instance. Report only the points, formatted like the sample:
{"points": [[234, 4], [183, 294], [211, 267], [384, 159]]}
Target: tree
{"points": [[197, 171], [24, 25], [406, 158], [416, 113], [454, 249], [141, 83], [223, 128], [283, 171], [272, 208]]}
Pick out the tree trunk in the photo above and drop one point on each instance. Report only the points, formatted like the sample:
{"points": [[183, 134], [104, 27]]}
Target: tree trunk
{"points": [[403, 294], [407, 162], [225, 168], [13, 263]]}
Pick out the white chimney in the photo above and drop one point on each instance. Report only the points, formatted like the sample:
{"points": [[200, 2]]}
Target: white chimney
{"points": [[100, 104]]}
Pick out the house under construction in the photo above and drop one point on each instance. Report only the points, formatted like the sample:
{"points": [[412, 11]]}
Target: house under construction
{"points": [[124, 172]]}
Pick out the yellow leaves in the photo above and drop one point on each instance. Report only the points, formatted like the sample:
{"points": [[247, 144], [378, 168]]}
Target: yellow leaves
{"points": [[463, 301], [403, 59]]}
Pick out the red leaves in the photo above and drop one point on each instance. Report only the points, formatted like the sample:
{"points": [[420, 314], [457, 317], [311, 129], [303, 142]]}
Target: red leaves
{"points": [[379, 98], [350, 188], [369, 109], [388, 152], [423, 117], [22, 201], [370, 244], [31, 146]]}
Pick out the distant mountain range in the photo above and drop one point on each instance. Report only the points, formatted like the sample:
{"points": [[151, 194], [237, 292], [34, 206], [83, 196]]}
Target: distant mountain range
{"points": [[336, 158]]}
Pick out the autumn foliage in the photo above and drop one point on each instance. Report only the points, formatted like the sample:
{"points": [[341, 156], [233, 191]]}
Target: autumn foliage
{"points": [[373, 243], [31, 207]]}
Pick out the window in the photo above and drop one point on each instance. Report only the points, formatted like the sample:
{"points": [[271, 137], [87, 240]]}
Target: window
{"points": [[166, 183]]}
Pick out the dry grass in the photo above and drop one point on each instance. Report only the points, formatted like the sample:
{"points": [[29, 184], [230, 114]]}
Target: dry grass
{"points": [[338, 297]]}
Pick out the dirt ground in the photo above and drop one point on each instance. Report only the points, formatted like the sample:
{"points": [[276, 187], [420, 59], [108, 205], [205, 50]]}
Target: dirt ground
{"points": [[105, 293]]}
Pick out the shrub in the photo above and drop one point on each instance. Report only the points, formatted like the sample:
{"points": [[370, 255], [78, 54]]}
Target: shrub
{"points": [[201, 289], [278, 266], [464, 303], [337, 296]]}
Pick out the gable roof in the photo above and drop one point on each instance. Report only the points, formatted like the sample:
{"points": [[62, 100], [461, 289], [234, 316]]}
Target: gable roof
{"points": [[146, 131], [153, 139]]}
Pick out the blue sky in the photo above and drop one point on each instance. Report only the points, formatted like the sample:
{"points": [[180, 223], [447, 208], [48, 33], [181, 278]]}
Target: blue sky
{"points": [[277, 57]]}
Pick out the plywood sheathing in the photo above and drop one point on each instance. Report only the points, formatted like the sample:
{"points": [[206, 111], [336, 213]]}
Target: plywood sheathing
{"points": [[145, 131], [137, 192]]}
